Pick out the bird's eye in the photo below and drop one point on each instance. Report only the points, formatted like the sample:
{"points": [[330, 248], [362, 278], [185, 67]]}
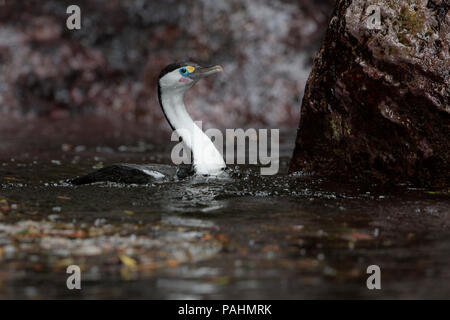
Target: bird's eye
{"points": [[184, 72]]}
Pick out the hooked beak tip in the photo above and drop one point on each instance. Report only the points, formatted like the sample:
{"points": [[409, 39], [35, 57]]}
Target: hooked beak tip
{"points": [[204, 72]]}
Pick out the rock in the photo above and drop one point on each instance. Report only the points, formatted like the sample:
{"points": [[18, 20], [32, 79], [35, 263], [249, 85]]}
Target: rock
{"points": [[110, 66], [376, 104]]}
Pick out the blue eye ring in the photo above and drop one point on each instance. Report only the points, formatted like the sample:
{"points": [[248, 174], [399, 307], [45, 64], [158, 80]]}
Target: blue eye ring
{"points": [[184, 72]]}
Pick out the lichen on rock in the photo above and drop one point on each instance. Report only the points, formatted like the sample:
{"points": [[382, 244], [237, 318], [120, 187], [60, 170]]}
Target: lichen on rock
{"points": [[376, 103]]}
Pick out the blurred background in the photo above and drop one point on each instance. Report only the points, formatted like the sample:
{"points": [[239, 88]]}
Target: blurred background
{"points": [[109, 68]]}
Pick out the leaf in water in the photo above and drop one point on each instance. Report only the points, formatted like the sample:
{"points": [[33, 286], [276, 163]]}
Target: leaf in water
{"points": [[98, 165], [64, 263], [128, 212], [443, 192], [173, 263], [206, 237], [221, 280], [78, 234], [127, 261], [64, 198], [12, 179], [360, 236]]}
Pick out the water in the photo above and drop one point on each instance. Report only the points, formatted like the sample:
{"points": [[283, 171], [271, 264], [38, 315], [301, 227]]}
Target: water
{"points": [[248, 236]]}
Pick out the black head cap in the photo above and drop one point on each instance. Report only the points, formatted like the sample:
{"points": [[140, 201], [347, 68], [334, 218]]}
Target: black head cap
{"points": [[173, 66]]}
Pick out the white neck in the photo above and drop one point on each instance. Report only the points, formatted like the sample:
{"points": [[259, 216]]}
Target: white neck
{"points": [[206, 158]]}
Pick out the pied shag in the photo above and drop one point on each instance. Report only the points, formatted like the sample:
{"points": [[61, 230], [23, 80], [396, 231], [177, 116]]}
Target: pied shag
{"points": [[173, 82]]}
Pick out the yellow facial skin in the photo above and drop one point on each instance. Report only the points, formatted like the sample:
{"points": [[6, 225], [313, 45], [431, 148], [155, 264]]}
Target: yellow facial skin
{"points": [[190, 69]]}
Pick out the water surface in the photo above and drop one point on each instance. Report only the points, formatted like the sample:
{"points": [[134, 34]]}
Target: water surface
{"points": [[249, 236]]}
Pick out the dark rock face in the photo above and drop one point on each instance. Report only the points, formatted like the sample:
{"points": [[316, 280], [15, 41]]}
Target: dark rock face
{"points": [[376, 103]]}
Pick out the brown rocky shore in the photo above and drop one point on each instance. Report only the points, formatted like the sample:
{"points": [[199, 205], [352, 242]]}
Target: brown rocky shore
{"points": [[376, 104]]}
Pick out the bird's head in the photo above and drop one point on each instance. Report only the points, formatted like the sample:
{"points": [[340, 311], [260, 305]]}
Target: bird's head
{"points": [[182, 76]]}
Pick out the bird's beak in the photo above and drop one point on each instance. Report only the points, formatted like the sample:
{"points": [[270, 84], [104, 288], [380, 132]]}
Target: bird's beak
{"points": [[204, 72]]}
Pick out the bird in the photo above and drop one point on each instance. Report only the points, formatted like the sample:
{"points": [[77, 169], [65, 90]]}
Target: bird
{"points": [[173, 82]]}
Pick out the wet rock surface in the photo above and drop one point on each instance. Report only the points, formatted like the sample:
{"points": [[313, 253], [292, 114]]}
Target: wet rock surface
{"points": [[376, 104]]}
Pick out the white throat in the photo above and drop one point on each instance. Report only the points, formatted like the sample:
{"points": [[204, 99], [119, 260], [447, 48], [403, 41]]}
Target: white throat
{"points": [[207, 159]]}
